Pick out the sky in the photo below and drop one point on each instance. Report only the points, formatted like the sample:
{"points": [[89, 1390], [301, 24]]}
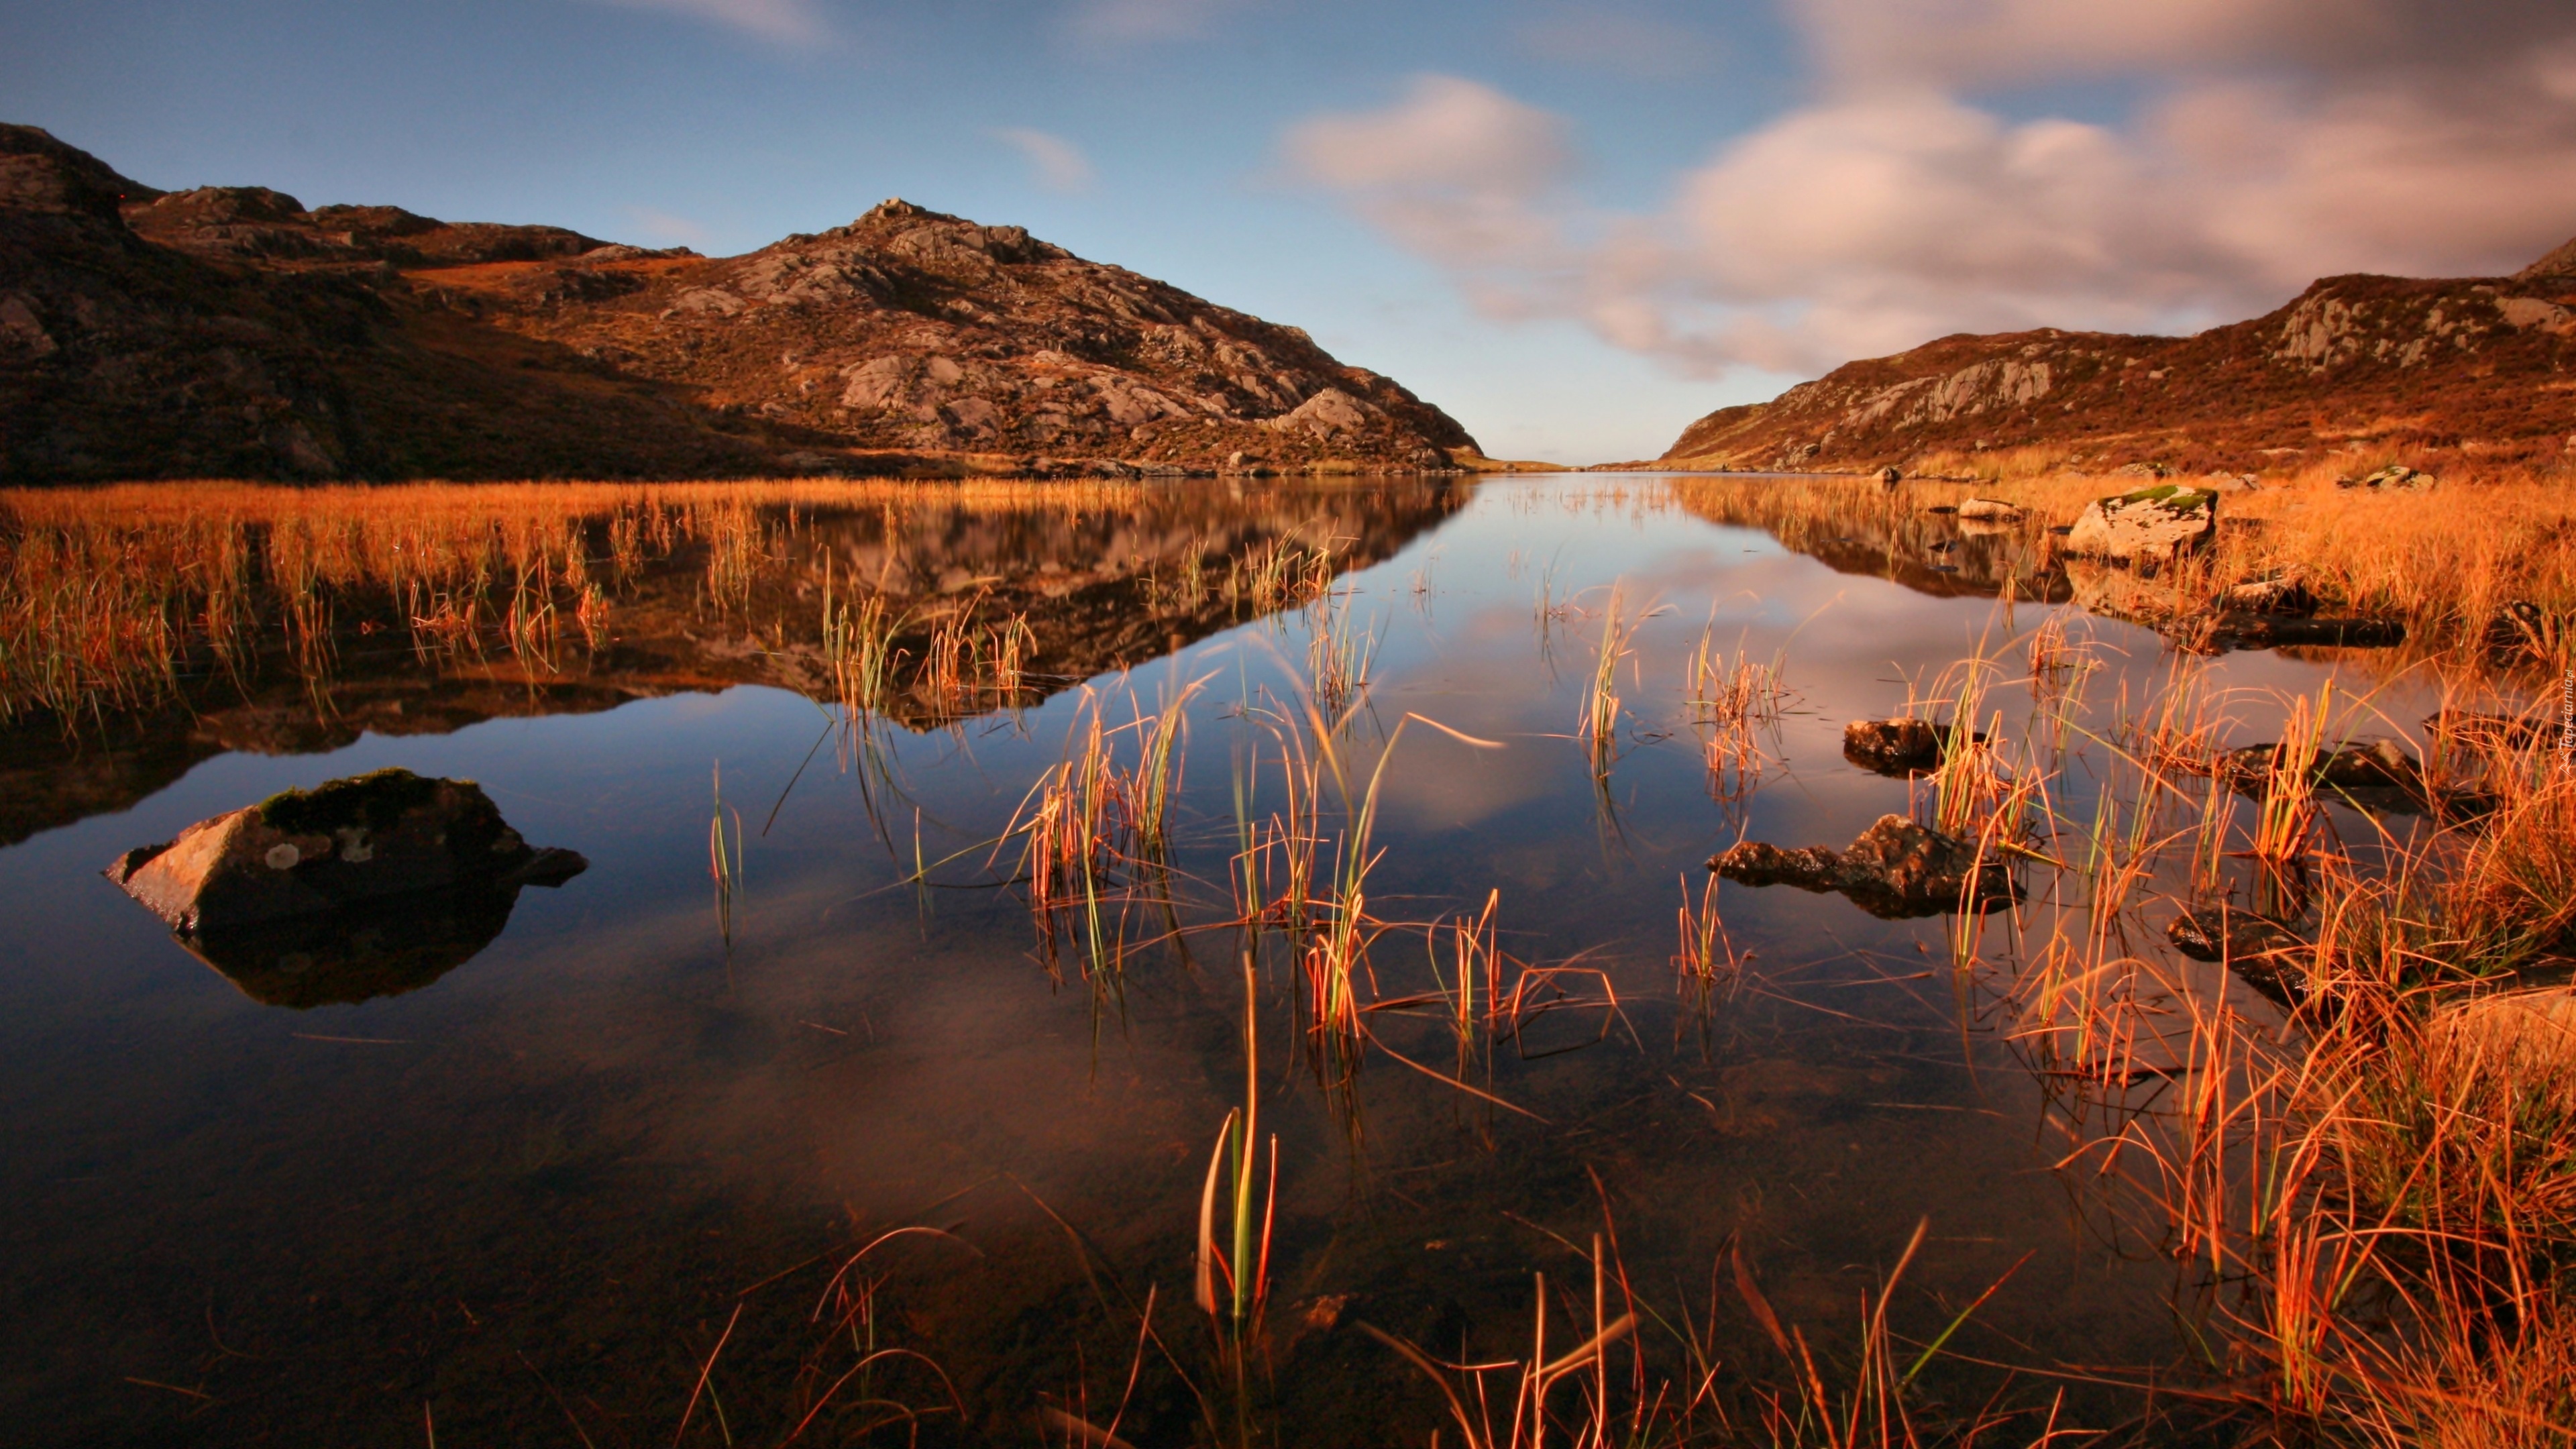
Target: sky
{"points": [[1574, 224]]}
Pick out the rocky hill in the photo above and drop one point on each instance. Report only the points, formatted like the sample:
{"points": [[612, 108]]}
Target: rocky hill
{"points": [[234, 331], [2358, 364]]}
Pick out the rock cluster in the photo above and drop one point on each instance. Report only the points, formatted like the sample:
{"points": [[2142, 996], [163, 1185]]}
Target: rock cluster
{"points": [[1896, 868]]}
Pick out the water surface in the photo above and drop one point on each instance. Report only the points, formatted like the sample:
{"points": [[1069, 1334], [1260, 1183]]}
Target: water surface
{"points": [[524, 1202]]}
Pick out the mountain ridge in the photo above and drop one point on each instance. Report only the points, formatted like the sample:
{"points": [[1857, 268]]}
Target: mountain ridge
{"points": [[2358, 364], [232, 331]]}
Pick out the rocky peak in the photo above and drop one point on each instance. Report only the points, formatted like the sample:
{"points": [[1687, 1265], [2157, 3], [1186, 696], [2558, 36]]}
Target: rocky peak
{"points": [[256, 222], [2458, 359], [388, 343], [40, 175], [2560, 263]]}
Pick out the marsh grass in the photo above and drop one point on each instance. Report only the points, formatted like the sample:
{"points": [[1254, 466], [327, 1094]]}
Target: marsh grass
{"points": [[1341, 652], [124, 598], [2372, 1182], [1597, 726], [724, 861], [2487, 562]]}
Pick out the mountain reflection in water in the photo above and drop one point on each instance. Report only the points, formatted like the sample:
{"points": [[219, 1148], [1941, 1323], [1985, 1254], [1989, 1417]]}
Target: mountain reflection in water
{"points": [[442, 606]]}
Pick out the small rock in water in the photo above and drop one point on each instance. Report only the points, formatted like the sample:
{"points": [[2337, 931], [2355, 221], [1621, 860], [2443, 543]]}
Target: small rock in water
{"points": [[2376, 765], [1897, 746], [308, 852], [2258, 949], [1995, 508], [1896, 869], [360, 888], [1755, 863], [1888, 478]]}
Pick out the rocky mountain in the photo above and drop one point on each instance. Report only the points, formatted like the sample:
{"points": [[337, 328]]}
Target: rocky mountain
{"points": [[233, 331], [2357, 364]]}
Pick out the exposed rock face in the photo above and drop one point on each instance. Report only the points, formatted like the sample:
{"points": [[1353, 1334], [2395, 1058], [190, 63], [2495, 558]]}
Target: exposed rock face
{"points": [[2152, 524], [346, 843], [2461, 360], [1895, 869], [234, 331]]}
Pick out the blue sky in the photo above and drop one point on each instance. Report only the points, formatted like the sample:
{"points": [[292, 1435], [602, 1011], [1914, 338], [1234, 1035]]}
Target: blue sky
{"points": [[1575, 225]]}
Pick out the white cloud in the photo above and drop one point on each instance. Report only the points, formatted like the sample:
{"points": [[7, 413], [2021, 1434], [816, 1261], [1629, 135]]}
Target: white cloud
{"points": [[786, 22], [2275, 141], [1058, 164], [1455, 170]]}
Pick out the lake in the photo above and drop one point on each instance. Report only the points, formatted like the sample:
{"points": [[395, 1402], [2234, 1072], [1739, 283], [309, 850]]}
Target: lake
{"points": [[628, 1170]]}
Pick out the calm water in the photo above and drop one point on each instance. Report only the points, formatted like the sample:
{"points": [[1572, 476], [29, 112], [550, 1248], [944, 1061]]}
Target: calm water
{"points": [[523, 1203]]}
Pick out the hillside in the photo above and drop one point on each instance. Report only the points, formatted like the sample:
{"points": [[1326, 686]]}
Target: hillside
{"points": [[2365, 364], [233, 331]]}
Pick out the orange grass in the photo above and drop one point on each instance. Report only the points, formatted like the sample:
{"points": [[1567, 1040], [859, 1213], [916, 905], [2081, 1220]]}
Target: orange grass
{"points": [[112, 598]]}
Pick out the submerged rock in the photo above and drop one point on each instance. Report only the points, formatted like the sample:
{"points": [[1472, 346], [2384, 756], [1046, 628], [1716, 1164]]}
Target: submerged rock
{"points": [[1897, 746], [2261, 951], [2375, 765], [2150, 525], [1755, 863], [1896, 868], [310, 853]]}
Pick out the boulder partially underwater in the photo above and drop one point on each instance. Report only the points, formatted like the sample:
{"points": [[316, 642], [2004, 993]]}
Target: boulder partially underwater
{"points": [[357, 888], [1896, 869]]}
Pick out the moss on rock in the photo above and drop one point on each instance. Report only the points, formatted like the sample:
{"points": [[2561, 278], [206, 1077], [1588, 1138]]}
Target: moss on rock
{"points": [[373, 801]]}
